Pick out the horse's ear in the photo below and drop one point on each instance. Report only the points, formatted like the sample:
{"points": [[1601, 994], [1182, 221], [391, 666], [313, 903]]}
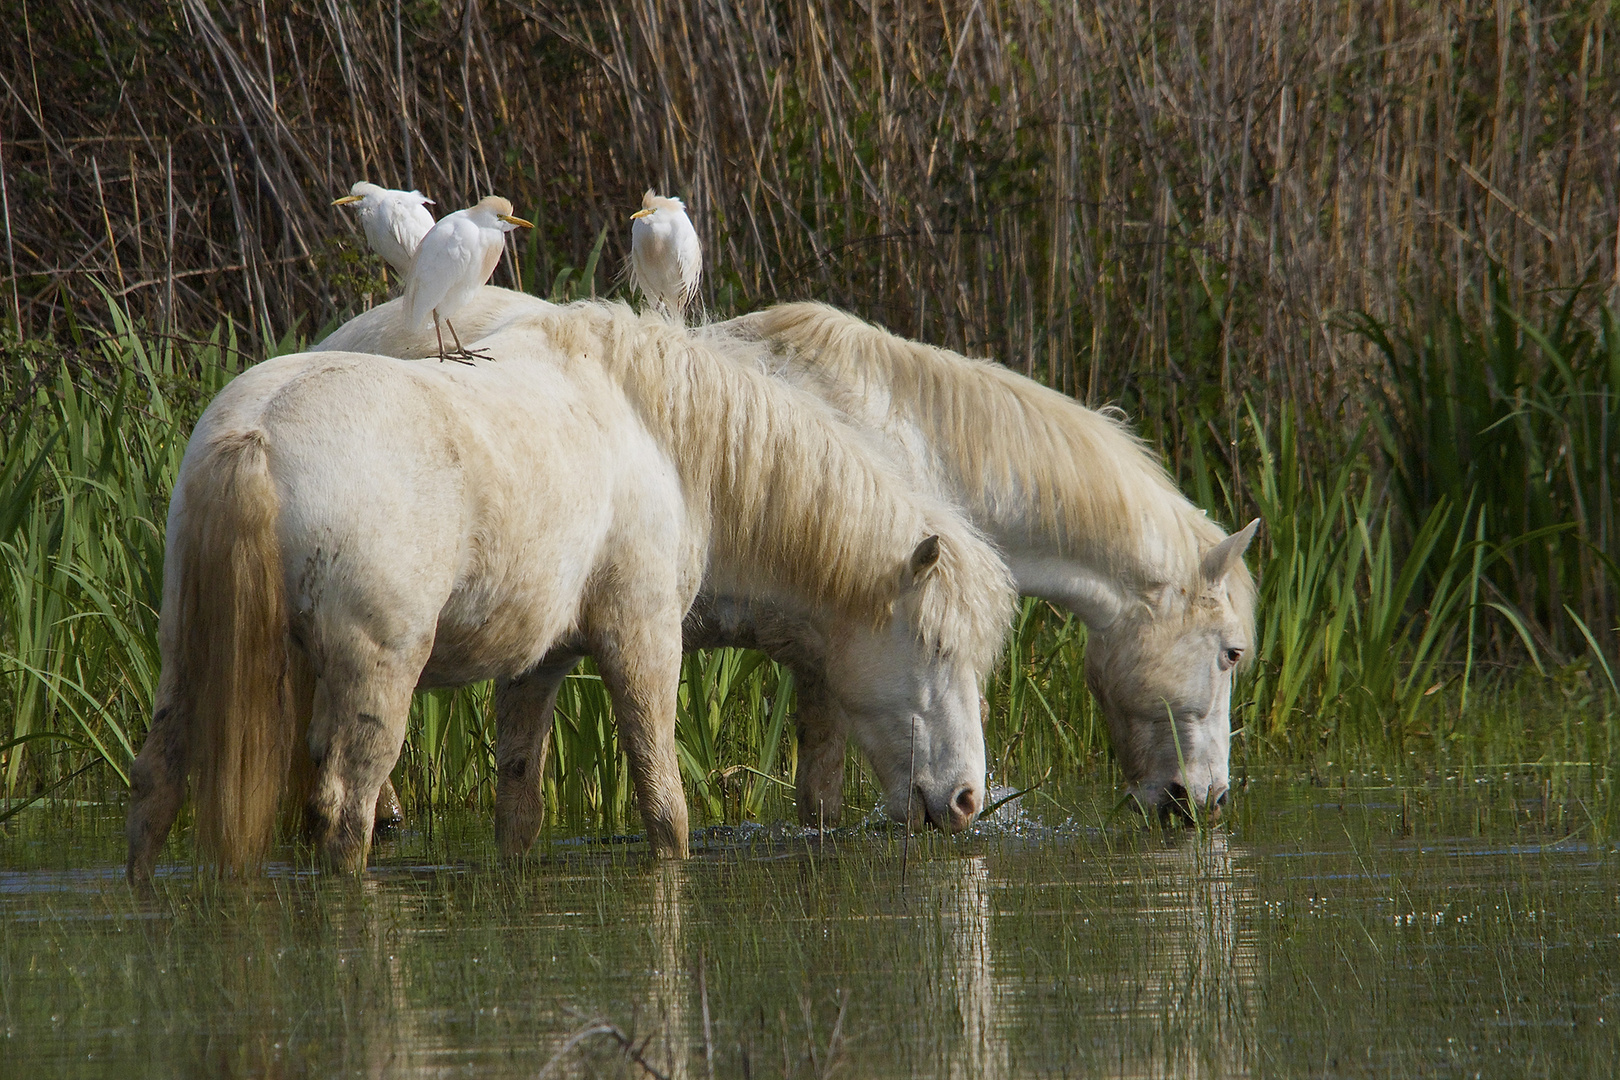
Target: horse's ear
{"points": [[1229, 552], [924, 558]]}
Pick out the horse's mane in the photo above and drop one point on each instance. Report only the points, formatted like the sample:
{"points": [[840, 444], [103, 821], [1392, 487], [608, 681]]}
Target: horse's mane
{"points": [[790, 490], [1017, 448]]}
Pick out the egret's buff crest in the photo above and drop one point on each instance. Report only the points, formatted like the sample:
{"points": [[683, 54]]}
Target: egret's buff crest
{"points": [[1091, 477]]}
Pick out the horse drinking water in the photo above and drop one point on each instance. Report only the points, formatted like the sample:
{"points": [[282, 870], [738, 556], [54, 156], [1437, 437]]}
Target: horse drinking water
{"points": [[347, 528], [1085, 516]]}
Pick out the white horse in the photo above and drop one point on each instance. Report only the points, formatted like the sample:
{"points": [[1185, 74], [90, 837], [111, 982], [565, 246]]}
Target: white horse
{"points": [[347, 528], [1085, 516]]}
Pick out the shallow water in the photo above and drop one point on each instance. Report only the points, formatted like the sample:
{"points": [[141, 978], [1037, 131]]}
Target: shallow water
{"points": [[1374, 932]]}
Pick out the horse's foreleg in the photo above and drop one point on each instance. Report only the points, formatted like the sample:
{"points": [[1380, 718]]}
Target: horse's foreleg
{"points": [[156, 789], [641, 667], [524, 709], [819, 779], [361, 705]]}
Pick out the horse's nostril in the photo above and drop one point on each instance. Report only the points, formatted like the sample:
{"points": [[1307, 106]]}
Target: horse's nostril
{"points": [[1220, 800], [966, 804]]}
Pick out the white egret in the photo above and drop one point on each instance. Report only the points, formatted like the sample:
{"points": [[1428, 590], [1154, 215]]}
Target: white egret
{"points": [[666, 259], [394, 221], [452, 263]]}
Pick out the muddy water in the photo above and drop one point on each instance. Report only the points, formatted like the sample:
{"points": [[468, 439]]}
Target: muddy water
{"points": [[1364, 933]]}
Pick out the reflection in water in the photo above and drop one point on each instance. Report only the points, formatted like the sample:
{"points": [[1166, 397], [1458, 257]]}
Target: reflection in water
{"points": [[1201, 982], [651, 1036], [1049, 951], [1174, 998], [670, 984], [385, 1036], [970, 961], [390, 1043], [260, 927]]}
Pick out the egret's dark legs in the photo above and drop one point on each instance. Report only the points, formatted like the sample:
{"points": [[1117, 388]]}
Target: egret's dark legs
{"points": [[462, 350], [459, 356]]}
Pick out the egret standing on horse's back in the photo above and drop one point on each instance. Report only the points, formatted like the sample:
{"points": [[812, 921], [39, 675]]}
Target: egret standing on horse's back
{"points": [[454, 260], [666, 259], [394, 221]]}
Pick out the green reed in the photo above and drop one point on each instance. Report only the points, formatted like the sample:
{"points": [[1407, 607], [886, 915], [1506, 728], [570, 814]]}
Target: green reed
{"points": [[87, 458]]}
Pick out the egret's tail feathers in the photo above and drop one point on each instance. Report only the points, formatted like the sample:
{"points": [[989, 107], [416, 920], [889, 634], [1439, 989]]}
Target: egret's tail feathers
{"points": [[416, 314]]}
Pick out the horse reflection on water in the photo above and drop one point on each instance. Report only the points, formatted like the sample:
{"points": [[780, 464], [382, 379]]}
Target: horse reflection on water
{"points": [[1201, 983], [973, 995], [1186, 996]]}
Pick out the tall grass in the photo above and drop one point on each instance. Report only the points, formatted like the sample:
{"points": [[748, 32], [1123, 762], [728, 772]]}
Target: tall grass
{"points": [[91, 445], [1153, 202], [1524, 419]]}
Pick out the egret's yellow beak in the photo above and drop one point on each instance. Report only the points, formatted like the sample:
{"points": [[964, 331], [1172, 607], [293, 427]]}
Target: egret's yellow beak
{"points": [[346, 200], [643, 212], [519, 222]]}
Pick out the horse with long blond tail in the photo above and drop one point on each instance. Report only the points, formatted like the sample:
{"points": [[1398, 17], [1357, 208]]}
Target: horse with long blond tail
{"points": [[349, 527]]}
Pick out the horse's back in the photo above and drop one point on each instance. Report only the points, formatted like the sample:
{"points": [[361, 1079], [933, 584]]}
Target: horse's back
{"points": [[384, 329]]}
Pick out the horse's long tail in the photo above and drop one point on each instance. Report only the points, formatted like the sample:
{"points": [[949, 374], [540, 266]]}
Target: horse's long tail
{"points": [[229, 640]]}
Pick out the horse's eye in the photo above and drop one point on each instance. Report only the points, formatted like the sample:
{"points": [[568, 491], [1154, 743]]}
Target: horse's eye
{"points": [[1230, 658]]}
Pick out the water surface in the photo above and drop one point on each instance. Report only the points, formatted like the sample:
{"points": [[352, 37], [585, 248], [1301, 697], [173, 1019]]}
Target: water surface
{"points": [[1369, 932]]}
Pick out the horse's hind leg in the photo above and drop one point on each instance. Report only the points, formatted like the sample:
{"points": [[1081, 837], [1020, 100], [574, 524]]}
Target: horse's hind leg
{"points": [[524, 711], [819, 779], [157, 786], [361, 704]]}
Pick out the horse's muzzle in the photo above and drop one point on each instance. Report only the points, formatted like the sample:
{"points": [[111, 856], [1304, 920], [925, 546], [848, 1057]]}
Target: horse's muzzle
{"points": [[952, 814], [1175, 805]]}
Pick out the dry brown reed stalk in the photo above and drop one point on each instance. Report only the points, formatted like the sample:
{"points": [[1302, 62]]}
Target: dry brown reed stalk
{"points": [[1060, 185]]}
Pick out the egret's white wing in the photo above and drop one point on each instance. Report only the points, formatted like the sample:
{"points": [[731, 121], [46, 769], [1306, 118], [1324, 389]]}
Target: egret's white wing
{"points": [[408, 222], [493, 249], [689, 255], [477, 250], [446, 257]]}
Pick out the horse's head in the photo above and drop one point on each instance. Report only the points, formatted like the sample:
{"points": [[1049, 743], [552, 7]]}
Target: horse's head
{"points": [[1163, 677], [913, 705]]}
